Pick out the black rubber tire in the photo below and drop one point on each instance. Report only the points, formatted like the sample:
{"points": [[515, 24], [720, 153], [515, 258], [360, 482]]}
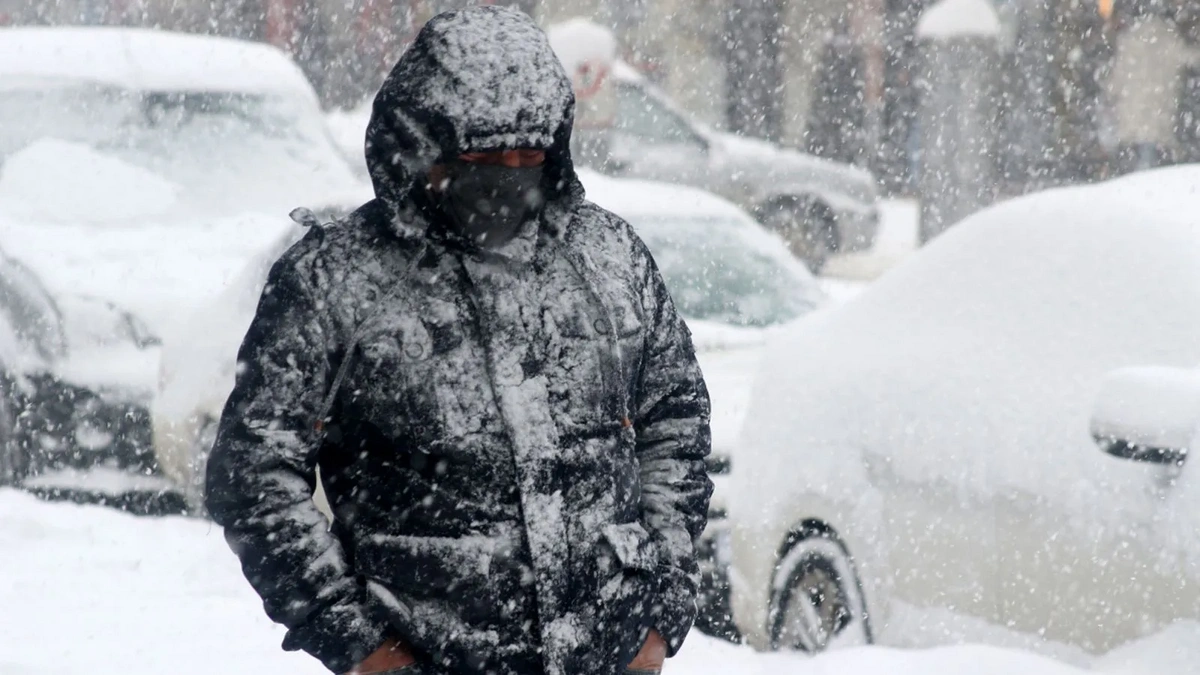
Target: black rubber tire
{"points": [[816, 582]]}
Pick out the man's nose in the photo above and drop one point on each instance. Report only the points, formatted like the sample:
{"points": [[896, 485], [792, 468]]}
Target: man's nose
{"points": [[511, 158]]}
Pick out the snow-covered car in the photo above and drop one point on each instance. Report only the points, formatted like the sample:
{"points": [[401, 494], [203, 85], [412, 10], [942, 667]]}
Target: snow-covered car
{"points": [[819, 206], [928, 444], [227, 126], [731, 280], [147, 168], [76, 380]]}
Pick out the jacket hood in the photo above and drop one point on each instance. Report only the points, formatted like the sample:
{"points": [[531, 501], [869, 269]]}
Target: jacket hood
{"points": [[476, 79]]}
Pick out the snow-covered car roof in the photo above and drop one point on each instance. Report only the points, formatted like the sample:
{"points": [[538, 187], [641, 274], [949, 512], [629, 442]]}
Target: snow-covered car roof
{"points": [[975, 364], [148, 60], [626, 196]]}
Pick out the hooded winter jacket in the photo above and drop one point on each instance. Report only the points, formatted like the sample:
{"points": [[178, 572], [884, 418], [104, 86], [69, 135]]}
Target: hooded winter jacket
{"points": [[512, 441]]}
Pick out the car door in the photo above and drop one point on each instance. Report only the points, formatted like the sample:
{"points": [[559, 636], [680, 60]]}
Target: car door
{"points": [[1099, 578], [649, 140], [942, 537]]}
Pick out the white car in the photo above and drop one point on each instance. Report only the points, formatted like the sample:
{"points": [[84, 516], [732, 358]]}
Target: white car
{"points": [[731, 280], [148, 167], [145, 169], [818, 205], [929, 444]]}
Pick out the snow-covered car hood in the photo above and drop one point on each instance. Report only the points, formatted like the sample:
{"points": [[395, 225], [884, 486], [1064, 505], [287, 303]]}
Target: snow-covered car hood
{"points": [[109, 351], [785, 171], [974, 365], [117, 231], [159, 272]]}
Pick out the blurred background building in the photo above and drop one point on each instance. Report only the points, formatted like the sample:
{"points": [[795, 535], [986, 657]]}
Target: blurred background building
{"points": [[1087, 87]]}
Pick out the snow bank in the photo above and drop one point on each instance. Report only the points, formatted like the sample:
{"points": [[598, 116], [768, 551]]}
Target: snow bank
{"points": [[70, 182], [167, 595], [949, 19], [1174, 650]]}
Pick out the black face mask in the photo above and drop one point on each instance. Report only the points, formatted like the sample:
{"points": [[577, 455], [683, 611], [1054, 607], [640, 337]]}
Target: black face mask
{"points": [[487, 203]]}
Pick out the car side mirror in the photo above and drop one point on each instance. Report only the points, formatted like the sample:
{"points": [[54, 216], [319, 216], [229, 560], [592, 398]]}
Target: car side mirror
{"points": [[1148, 414]]}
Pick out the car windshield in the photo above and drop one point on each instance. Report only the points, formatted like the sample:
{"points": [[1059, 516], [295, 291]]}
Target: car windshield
{"points": [[721, 270], [225, 152]]}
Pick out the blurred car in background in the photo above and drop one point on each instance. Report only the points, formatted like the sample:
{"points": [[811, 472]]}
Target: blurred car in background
{"points": [[730, 279], [819, 206], [147, 168], [76, 380], [936, 448]]}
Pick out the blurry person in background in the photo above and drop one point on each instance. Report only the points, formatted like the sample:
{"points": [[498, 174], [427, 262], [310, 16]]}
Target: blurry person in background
{"points": [[505, 409], [1154, 60]]}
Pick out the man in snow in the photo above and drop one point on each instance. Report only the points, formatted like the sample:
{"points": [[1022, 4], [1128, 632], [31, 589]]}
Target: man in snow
{"points": [[505, 408]]}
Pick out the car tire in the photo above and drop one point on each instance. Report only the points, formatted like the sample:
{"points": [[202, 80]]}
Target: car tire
{"points": [[817, 600], [14, 458], [808, 227]]}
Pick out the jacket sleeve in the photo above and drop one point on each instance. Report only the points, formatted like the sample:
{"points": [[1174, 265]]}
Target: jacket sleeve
{"points": [[262, 473], [673, 438]]}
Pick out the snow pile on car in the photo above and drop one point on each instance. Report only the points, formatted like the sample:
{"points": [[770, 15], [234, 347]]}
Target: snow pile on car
{"points": [[1149, 406], [69, 182], [974, 365]]}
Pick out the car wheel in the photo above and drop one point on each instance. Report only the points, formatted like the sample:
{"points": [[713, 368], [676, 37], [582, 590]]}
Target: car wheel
{"points": [[808, 227], [14, 459], [817, 599]]}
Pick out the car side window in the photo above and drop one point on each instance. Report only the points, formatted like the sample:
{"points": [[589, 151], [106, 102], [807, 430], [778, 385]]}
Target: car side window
{"points": [[642, 116]]}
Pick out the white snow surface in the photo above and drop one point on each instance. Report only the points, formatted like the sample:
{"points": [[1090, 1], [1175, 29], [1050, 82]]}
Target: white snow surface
{"points": [[947, 19], [97, 592], [1152, 406], [86, 185], [149, 60], [160, 272]]}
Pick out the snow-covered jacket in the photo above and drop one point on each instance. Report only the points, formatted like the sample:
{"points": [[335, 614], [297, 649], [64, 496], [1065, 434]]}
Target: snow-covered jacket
{"points": [[512, 441]]}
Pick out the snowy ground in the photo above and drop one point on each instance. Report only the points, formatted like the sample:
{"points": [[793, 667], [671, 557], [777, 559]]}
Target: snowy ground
{"points": [[90, 591]]}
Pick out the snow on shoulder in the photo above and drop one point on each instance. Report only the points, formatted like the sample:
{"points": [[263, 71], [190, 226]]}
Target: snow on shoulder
{"points": [[949, 19], [148, 60]]}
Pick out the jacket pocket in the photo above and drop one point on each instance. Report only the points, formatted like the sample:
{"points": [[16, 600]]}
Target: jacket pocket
{"points": [[632, 545], [439, 567]]}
